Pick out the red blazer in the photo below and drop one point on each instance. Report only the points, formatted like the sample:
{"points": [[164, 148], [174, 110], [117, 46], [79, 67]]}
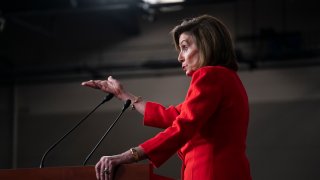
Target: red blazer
{"points": [[208, 129]]}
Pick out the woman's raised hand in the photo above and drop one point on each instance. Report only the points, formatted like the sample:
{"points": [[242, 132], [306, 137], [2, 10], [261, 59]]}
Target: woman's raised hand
{"points": [[110, 85]]}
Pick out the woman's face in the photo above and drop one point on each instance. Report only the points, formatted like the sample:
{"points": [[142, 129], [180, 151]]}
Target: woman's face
{"points": [[189, 54]]}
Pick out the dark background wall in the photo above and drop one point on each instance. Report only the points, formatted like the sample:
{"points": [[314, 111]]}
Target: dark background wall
{"points": [[6, 110], [47, 50]]}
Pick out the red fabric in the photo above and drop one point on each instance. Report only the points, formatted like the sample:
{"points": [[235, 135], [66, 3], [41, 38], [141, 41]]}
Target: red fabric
{"points": [[208, 129]]}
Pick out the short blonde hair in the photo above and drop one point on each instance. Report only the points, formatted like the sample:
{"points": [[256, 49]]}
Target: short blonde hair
{"points": [[212, 38]]}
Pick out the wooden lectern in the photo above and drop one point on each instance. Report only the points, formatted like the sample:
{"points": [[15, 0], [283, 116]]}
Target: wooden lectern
{"points": [[124, 172]]}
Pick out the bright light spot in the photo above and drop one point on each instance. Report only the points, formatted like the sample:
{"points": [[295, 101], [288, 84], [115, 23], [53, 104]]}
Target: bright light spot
{"points": [[162, 1]]}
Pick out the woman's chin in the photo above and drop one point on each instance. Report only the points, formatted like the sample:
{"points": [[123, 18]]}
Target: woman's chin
{"points": [[189, 73]]}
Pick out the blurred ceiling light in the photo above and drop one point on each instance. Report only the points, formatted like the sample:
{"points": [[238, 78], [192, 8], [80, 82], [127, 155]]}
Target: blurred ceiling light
{"points": [[163, 1], [170, 9]]}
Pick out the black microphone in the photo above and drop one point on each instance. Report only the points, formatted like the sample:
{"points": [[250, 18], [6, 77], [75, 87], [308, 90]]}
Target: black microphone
{"points": [[107, 98], [125, 106]]}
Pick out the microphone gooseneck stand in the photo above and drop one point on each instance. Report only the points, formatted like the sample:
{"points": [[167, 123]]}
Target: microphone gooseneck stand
{"points": [[125, 106], [107, 98]]}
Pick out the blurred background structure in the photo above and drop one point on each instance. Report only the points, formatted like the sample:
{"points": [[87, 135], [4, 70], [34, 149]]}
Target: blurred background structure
{"points": [[47, 48]]}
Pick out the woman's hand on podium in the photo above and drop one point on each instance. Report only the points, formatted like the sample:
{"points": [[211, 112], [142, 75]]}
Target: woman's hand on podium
{"points": [[105, 168]]}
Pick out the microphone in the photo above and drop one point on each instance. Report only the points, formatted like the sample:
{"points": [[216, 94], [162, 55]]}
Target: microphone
{"points": [[125, 106], [107, 98]]}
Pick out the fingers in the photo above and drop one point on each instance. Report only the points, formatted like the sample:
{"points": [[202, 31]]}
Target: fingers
{"points": [[97, 169], [96, 84], [110, 78], [110, 85], [108, 174], [104, 168], [99, 84]]}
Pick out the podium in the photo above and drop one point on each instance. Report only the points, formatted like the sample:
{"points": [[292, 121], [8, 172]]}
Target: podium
{"points": [[123, 172]]}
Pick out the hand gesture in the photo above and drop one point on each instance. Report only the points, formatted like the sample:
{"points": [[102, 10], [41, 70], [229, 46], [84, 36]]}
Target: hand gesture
{"points": [[109, 85]]}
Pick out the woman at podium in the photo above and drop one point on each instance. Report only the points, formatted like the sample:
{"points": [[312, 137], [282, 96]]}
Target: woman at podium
{"points": [[208, 129]]}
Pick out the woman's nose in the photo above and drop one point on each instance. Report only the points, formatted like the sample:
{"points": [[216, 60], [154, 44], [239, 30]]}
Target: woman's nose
{"points": [[180, 58]]}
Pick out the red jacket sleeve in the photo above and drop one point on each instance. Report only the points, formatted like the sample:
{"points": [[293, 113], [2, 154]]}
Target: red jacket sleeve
{"points": [[158, 116], [201, 102]]}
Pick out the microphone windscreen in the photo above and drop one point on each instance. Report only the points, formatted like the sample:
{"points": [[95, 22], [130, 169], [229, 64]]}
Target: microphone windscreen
{"points": [[108, 97], [127, 104]]}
